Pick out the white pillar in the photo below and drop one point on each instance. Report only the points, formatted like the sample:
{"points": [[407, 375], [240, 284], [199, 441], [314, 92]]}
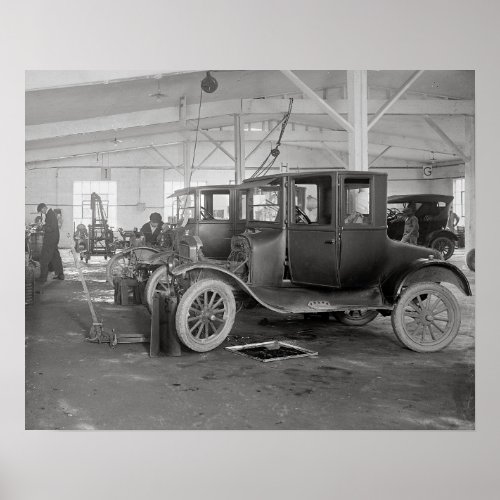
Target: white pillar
{"points": [[357, 93], [470, 184], [239, 149]]}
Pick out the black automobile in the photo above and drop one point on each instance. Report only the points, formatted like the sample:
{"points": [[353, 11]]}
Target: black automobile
{"points": [[432, 212], [316, 242]]}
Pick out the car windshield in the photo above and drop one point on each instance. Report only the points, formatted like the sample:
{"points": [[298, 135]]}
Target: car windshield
{"points": [[264, 203], [185, 207]]}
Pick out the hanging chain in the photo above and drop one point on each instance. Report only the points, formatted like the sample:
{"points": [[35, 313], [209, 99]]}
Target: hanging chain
{"points": [[274, 153]]}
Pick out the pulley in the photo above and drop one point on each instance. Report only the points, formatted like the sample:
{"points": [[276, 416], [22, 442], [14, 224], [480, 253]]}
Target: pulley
{"points": [[209, 84]]}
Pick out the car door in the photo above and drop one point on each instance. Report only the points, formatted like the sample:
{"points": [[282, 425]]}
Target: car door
{"points": [[362, 228], [312, 230], [215, 227]]}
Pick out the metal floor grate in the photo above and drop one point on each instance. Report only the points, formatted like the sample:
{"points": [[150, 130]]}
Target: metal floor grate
{"points": [[273, 350]]}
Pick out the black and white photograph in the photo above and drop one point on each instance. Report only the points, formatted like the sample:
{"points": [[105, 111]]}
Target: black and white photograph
{"points": [[250, 234], [249, 249]]}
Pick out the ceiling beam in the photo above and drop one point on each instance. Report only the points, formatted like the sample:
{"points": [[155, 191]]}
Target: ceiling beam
{"points": [[165, 140], [218, 145], [335, 155], [379, 156], [393, 100], [249, 107], [445, 138], [316, 98]]}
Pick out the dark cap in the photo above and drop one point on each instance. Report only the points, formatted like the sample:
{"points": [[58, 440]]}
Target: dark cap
{"points": [[40, 206], [155, 217]]}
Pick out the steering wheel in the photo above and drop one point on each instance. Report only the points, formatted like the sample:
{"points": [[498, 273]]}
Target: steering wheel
{"points": [[205, 214], [301, 217], [393, 214]]}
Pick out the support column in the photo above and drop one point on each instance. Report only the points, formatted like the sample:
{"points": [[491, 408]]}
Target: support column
{"points": [[239, 149], [357, 93], [186, 163], [470, 184]]}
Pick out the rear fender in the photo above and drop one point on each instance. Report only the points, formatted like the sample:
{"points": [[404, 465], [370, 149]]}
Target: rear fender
{"points": [[436, 271], [439, 233]]}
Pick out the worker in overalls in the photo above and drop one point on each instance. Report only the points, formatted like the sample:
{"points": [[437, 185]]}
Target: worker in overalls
{"points": [[50, 253], [410, 234]]}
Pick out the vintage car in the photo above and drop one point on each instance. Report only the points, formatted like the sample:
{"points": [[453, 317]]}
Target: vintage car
{"points": [[212, 213], [432, 211], [317, 242]]}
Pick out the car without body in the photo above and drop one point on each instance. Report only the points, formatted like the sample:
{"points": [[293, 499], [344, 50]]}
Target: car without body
{"points": [[212, 214], [317, 242]]}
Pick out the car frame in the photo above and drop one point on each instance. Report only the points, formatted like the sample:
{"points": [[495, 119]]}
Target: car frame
{"points": [[340, 262]]}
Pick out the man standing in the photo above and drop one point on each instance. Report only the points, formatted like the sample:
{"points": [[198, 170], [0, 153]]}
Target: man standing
{"points": [[410, 234], [50, 253]]}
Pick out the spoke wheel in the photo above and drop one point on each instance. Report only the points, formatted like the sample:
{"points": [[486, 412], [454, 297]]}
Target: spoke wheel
{"points": [[426, 317], [158, 281], [205, 315], [123, 260], [355, 317], [444, 245]]}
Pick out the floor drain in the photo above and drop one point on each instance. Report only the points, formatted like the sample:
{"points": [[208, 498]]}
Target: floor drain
{"points": [[274, 350]]}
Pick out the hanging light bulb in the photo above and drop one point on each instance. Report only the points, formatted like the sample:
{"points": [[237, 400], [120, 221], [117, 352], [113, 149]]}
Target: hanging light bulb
{"points": [[158, 95]]}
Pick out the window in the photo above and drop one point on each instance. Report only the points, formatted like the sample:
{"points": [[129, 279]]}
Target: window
{"points": [[357, 201], [170, 204], [185, 207], [264, 203], [82, 210], [242, 205], [214, 205], [313, 199], [459, 199]]}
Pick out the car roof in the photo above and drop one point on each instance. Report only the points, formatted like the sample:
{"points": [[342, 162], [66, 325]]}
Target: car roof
{"points": [[193, 189], [419, 198], [266, 179]]}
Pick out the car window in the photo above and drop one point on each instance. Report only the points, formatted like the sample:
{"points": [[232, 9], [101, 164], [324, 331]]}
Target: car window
{"points": [[185, 207], [356, 201], [214, 205], [313, 200], [264, 203]]}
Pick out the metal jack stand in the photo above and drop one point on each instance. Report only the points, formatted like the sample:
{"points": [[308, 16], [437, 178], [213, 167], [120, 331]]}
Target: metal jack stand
{"points": [[163, 332]]}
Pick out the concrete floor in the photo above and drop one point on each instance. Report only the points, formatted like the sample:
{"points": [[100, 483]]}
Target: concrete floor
{"points": [[361, 379]]}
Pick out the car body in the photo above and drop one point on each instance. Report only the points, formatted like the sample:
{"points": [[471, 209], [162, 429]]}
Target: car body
{"points": [[314, 242], [432, 212]]}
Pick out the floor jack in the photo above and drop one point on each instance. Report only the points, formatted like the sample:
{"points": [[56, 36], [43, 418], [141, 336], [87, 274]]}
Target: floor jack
{"points": [[97, 332], [162, 338]]}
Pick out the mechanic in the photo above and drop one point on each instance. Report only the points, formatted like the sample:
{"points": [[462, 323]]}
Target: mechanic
{"points": [[152, 229], [50, 254], [410, 234]]}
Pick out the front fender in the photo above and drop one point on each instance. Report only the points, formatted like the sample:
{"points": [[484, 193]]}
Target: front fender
{"points": [[421, 270], [218, 272]]}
